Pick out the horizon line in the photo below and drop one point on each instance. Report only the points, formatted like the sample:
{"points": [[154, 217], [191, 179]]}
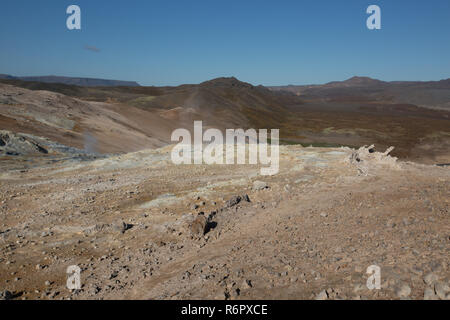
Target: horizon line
{"points": [[19, 77]]}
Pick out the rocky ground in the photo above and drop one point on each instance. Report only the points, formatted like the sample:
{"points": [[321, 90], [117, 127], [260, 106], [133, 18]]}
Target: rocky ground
{"points": [[140, 227]]}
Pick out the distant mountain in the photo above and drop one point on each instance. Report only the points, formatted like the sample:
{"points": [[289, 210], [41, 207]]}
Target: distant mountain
{"points": [[429, 94], [6, 76], [353, 82], [83, 82], [356, 82]]}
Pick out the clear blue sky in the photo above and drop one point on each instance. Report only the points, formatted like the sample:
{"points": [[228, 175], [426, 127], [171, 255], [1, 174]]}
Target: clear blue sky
{"points": [[262, 42]]}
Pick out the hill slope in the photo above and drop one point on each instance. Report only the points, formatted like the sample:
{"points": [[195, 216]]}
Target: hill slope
{"points": [[355, 113]]}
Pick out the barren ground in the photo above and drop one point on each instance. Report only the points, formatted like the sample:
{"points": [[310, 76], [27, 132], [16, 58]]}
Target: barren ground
{"points": [[319, 223]]}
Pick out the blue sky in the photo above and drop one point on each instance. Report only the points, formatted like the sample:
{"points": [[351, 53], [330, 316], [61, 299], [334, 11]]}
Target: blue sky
{"points": [[261, 42]]}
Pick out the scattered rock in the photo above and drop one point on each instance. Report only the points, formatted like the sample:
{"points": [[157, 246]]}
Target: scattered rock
{"points": [[16, 144], [366, 157], [323, 295], [429, 294], [430, 278], [235, 292], [246, 284], [259, 185], [123, 226], [406, 222], [390, 223], [441, 289], [232, 202], [198, 225], [235, 200], [403, 291], [6, 295], [359, 287]]}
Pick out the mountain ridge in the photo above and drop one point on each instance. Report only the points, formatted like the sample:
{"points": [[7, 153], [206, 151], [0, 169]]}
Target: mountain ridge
{"points": [[364, 80], [79, 81]]}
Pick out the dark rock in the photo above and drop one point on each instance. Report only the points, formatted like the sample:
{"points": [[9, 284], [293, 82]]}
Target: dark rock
{"points": [[123, 226], [235, 200], [6, 295], [198, 226]]}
